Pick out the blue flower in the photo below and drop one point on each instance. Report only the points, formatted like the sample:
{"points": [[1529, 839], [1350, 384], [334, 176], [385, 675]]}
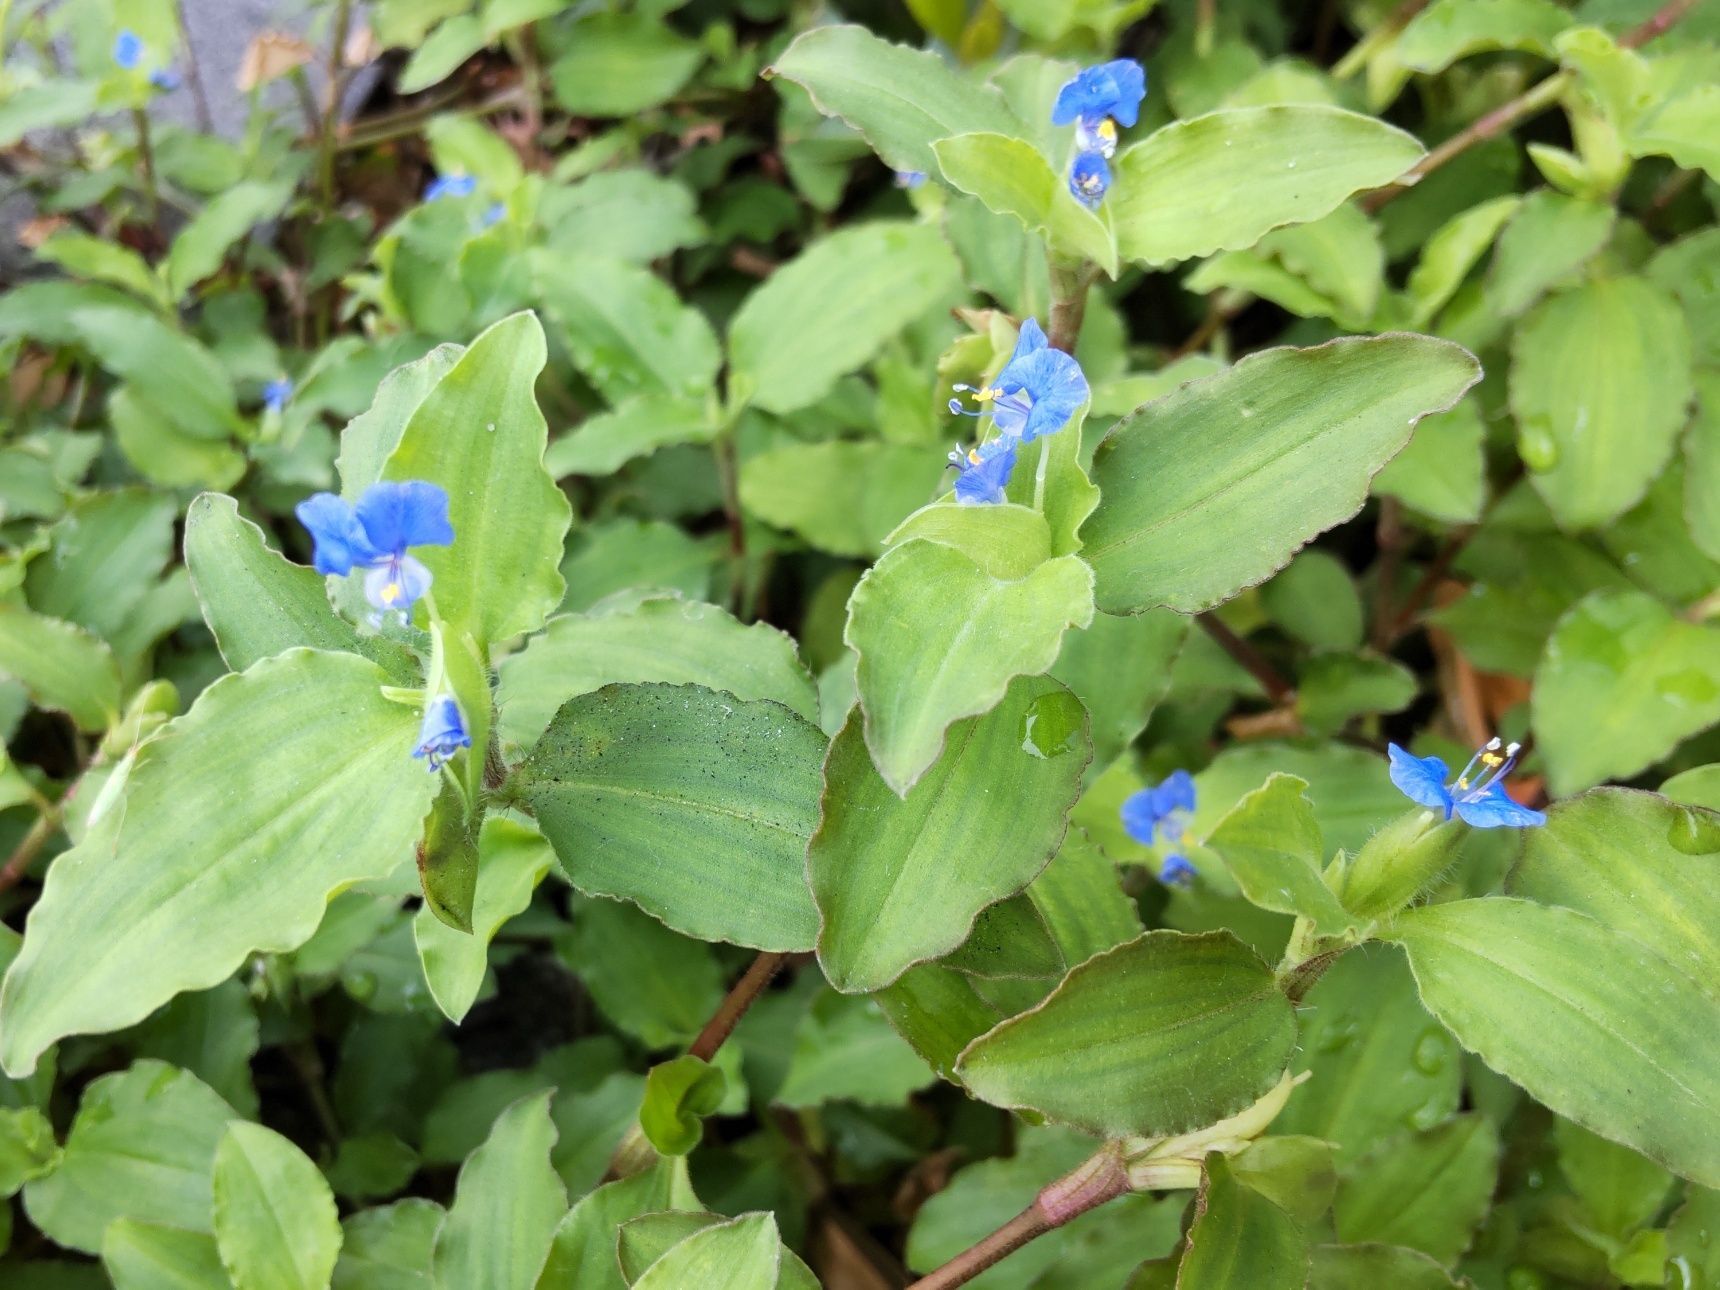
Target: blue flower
{"points": [[1163, 810], [443, 732], [983, 471], [1089, 179], [1482, 804], [450, 186], [374, 535], [1035, 394], [128, 50], [910, 178], [1177, 871], [1097, 100], [164, 78], [277, 392], [493, 215]]}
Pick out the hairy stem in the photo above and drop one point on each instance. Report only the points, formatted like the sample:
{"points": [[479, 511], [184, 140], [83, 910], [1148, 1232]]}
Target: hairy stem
{"points": [[735, 1004]]}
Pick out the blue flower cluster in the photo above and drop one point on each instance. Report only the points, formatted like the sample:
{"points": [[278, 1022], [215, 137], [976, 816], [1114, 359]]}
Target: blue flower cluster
{"points": [[1035, 394], [128, 53], [1162, 812], [1096, 102]]}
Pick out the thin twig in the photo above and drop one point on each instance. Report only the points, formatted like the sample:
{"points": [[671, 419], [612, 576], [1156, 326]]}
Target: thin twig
{"points": [[1389, 535], [1378, 38], [734, 1005], [28, 848], [332, 91], [194, 74], [146, 162], [1430, 578], [1271, 680]]}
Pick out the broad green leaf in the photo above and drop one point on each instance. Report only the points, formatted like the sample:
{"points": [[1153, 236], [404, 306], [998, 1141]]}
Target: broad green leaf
{"points": [[901, 99], [1442, 471], [214, 1034], [583, 1255], [1274, 451], [652, 983], [1683, 128], [1702, 467], [1271, 844], [626, 328], [820, 317], [1219, 182], [602, 444], [1336, 687], [164, 453], [507, 1203], [633, 559], [1369, 1267], [938, 1011], [1006, 540], [1012, 177], [479, 435], [1081, 898], [845, 1050], [1010, 941], [1427, 1190], [899, 881], [1600, 380], [256, 602], [83, 255], [740, 1255], [679, 1094], [199, 248], [142, 1146], [1296, 1174], [138, 1255], [442, 52], [1620, 1189], [371, 436], [842, 497], [1314, 599], [1554, 1001], [61, 665], [282, 785], [1621, 683], [27, 1147], [939, 639], [1240, 1238], [275, 1221], [103, 557], [389, 1248], [632, 215], [1351, 792], [512, 859], [1119, 667], [1690, 1235], [1161, 1035], [646, 1239], [632, 774], [1638, 862], [1338, 255], [1070, 495], [1452, 252], [1549, 237], [618, 64], [1452, 29]]}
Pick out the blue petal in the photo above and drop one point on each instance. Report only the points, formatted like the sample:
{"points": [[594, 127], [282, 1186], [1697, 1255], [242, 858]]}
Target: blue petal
{"points": [[1056, 384], [1177, 871], [1112, 89], [1495, 810], [164, 78], [1421, 779], [277, 392], [1090, 179], [396, 584], [450, 186], [1176, 793], [128, 50], [1029, 340], [443, 731], [340, 539], [1140, 815], [983, 483], [399, 515]]}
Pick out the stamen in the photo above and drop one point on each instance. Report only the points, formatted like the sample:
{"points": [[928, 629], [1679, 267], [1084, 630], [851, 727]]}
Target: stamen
{"points": [[1498, 767], [1491, 745]]}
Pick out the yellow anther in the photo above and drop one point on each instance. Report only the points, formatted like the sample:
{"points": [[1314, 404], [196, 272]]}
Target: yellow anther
{"points": [[1492, 759], [973, 456], [987, 395], [391, 592], [1107, 129]]}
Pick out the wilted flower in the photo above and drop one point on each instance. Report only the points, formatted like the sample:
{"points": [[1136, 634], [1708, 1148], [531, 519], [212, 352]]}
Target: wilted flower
{"points": [[450, 186], [1482, 804], [443, 732], [1099, 99], [374, 535], [1090, 179], [1035, 394], [983, 471]]}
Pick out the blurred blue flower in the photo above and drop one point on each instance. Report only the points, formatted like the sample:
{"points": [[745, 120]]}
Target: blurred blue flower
{"points": [[1089, 179], [493, 214], [1482, 804], [1097, 100], [983, 471], [277, 392], [1035, 394], [374, 535], [910, 178], [164, 78], [128, 50], [1161, 811], [1177, 871], [443, 732], [450, 186]]}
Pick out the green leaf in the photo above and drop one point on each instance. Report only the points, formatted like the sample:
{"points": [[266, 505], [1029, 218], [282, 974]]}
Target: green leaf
{"points": [[1379, 1062], [448, 857], [845, 1050], [679, 1094], [61, 665], [1010, 941], [1314, 599], [632, 215], [507, 1203], [1277, 449], [1336, 687], [899, 881], [142, 1146], [84, 255], [817, 318], [652, 983], [1428, 1191], [740, 1255], [1240, 1238], [1219, 182], [1294, 1173], [1399, 862], [730, 788], [199, 248], [479, 434], [27, 1147], [1081, 898], [372, 435], [646, 1239], [442, 52], [1271, 844], [1627, 859], [282, 785], [1600, 380], [104, 556], [1553, 1000], [389, 1248], [939, 639], [1621, 683], [1119, 667], [1006, 540], [618, 64], [214, 1034], [938, 1011], [275, 1220], [842, 497], [1549, 237], [1012, 177], [1452, 252], [1338, 255], [602, 444], [1453, 29], [583, 1256], [154, 1256], [901, 99], [626, 328], [1621, 1190], [1442, 472], [1368, 1267], [512, 860], [1159, 1036]]}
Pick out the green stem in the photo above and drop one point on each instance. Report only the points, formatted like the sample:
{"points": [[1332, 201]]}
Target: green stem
{"points": [[146, 163], [331, 102]]}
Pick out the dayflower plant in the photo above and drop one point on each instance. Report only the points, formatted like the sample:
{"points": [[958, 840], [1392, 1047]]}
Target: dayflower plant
{"points": [[442, 733], [1481, 803], [375, 535], [1162, 811]]}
